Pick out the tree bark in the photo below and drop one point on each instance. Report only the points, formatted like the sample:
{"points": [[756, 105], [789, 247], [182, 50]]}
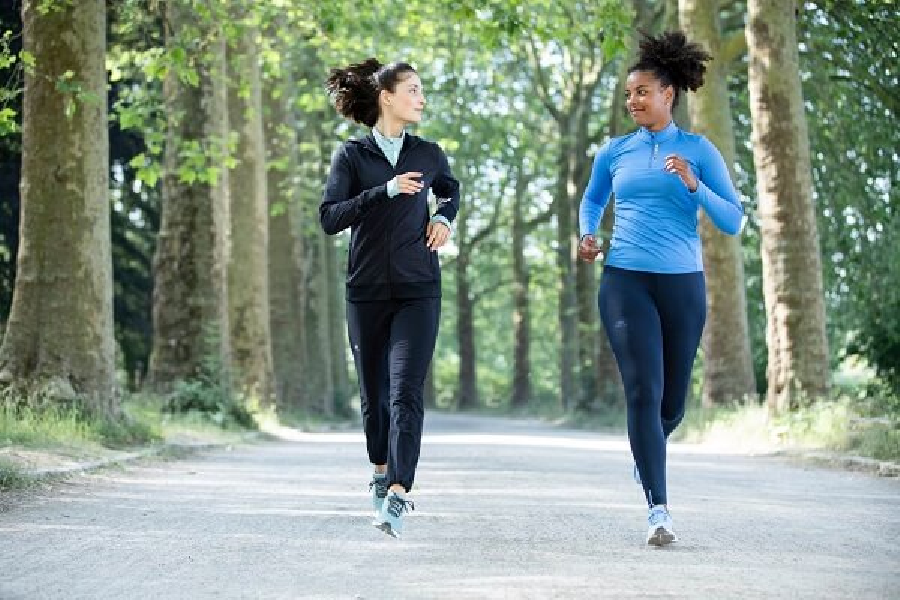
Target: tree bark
{"points": [[337, 329], [792, 270], [285, 245], [467, 392], [190, 301], [565, 260], [248, 291], [59, 338], [318, 375], [727, 359], [521, 384]]}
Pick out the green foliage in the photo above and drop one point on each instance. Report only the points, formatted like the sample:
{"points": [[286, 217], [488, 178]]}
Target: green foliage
{"points": [[12, 67], [211, 401], [36, 423], [12, 477], [208, 394], [850, 83]]}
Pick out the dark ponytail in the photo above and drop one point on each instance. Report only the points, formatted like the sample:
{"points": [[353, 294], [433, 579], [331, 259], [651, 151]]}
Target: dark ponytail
{"points": [[354, 89], [673, 60]]}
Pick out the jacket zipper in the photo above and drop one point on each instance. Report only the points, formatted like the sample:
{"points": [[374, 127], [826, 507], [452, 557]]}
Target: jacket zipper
{"points": [[391, 229]]}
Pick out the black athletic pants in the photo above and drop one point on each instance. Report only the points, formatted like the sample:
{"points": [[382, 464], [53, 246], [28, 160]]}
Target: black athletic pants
{"points": [[393, 342]]}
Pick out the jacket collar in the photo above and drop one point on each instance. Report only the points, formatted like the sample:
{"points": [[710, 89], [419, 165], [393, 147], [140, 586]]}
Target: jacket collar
{"points": [[662, 135], [368, 142]]}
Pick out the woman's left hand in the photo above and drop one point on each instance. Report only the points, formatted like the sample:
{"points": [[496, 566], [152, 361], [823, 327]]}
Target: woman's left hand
{"points": [[436, 235], [682, 168]]}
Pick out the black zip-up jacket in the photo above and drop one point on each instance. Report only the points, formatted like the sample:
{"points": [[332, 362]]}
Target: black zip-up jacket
{"points": [[388, 255]]}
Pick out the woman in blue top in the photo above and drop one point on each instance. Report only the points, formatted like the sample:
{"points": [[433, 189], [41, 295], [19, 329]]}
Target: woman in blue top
{"points": [[652, 294]]}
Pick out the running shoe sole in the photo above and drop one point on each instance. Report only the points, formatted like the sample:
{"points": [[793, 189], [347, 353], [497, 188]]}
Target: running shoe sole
{"points": [[661, 537], [386, 528]]}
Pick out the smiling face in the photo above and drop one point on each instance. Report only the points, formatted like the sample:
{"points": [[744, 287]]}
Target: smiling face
{"points": [[648, 102], [406, 102]]}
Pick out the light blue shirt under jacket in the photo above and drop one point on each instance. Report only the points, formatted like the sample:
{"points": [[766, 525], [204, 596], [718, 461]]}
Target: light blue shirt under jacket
{"points": [[655, 214]]}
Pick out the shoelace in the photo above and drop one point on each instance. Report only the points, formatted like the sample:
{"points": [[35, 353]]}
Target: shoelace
{"points": [[380, 485], [397, 505]]}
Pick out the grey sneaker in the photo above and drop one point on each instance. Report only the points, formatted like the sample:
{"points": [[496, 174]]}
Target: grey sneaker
{"points": [[390, 520], [379, 488], [660, 532]]}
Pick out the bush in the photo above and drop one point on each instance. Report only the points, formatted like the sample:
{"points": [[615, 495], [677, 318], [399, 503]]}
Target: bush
{"points": [[211, 401]]}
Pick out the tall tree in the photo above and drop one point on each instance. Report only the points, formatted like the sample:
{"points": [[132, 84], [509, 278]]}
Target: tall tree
{"points": [[847, 54], [60, 336], [314, 147], [792, 270], [569, 100], [248, 282], [727, 359], [190, 302], [521, 380], [285, 245]]}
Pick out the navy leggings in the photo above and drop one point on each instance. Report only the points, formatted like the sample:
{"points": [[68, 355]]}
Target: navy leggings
{"points": [[393, 342], [654, 323]]}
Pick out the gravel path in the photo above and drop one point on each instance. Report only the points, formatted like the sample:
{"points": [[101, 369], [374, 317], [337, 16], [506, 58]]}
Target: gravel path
{"points": [[504, 509]]}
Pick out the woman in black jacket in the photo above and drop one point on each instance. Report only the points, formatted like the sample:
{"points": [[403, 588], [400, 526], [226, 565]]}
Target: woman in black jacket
{"points": [[378, 187]]}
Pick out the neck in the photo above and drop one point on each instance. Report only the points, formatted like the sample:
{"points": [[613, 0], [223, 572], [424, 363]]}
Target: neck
{"points": [[389, 127], [659, 127]]}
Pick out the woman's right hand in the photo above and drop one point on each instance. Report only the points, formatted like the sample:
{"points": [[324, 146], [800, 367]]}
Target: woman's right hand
{"points": [[408, 183], [588, 250]]}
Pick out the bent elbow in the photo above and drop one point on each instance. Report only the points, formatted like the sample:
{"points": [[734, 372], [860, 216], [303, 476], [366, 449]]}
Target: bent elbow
{"points": [[735, 226], [330, 228], [329, 225]]}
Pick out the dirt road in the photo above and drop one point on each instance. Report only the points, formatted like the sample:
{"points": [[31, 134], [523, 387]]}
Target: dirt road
{"points": [[504, 509]]}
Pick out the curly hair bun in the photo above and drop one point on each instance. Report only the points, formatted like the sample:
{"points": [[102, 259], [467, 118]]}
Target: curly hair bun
{"points": [[673, 57]]}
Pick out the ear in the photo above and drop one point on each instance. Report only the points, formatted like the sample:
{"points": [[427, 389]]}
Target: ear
{"points": [[384, 96]]}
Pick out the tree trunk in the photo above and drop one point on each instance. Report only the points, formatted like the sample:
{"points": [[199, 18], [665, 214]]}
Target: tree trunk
{"points": [[190, 315], [318, 374], [337, 329], [568, 301], [59, 338], [285, 246], [727, 360], [521, 385], [247, 270], [792, 270], [467, 393], [589, 332]]}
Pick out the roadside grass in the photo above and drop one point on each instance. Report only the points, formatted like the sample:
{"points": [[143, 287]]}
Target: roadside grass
{"points": [[843, 424], [13, 477], [861, 418]]}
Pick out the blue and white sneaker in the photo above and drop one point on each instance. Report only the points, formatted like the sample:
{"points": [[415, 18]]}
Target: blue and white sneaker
{"points": [[390, 520], [379, 488], [661, 531]]}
